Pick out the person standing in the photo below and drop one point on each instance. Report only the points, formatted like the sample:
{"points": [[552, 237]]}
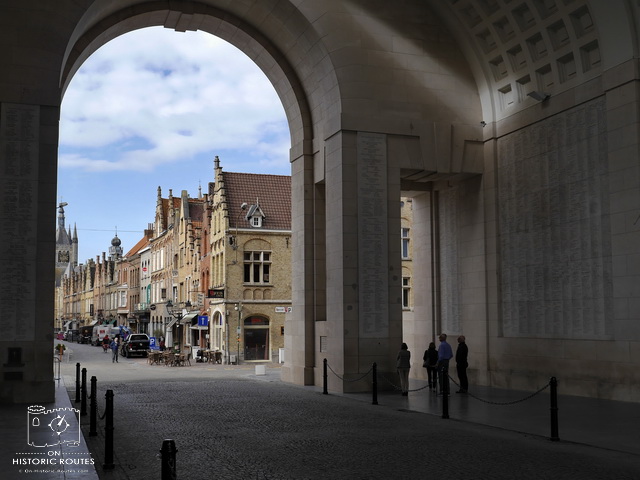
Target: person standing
{"points": [[462, 353], [430, 362], [115, 346], [403, 364], [445, 353]]}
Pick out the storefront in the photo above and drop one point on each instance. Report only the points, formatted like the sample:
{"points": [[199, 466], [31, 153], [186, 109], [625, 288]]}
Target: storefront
{"points": [[256, 339]]}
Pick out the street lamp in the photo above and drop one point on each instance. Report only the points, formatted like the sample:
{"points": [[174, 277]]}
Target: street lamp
{"points": [[238, 308], [177, 312], [243, 207]]}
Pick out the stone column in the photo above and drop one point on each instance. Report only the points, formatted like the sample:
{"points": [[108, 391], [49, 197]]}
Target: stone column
{"points": [[28, 137], [300, 323]]}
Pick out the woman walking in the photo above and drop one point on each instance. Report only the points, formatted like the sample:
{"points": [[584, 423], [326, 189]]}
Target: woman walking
{"points": [[403, 364]]}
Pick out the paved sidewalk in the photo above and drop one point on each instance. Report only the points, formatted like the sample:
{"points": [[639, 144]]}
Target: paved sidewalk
{"points": [[604, 424]]}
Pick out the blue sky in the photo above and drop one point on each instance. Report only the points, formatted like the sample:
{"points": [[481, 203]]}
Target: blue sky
{"points": [[153, 108]]}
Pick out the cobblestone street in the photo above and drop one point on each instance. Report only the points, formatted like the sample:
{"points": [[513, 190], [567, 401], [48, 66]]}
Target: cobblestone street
{"points": [[232, 424]]}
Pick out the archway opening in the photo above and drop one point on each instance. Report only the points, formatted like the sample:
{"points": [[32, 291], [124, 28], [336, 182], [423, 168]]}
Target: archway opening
{"points": [[138, 150]]}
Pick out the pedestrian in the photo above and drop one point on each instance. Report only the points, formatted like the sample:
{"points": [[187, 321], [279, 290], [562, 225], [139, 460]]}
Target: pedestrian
{"points": [[403, 364], [430, 362], [462, 353], [445, 353], [115, 346], [105, 343]]}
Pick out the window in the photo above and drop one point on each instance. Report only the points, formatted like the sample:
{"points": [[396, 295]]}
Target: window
{"points": [[256, 221], [405, 243], [257, 266], [406, 290]]}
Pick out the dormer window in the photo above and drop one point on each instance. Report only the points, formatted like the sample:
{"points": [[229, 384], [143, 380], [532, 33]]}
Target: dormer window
{"points": [[255, 215]]}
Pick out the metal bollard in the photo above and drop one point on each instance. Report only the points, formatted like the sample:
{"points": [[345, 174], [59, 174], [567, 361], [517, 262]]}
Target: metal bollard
{"points": [[168, 460], [77, 382], [554, 409], [324, 376], [83, 404], [108, 432], [445, 393], [375, 384], [93, 417]]}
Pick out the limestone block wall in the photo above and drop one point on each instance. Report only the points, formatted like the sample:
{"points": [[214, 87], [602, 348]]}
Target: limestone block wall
{"points": [[567, 251]]}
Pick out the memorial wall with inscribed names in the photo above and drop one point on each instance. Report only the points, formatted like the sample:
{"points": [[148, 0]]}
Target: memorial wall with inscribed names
{"points": [[373, 235], [554, 227], [19, 149]]}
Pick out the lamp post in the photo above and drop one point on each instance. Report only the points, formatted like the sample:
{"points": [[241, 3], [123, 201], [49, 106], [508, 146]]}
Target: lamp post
{"points": [[238, 308], [226, 321], [243, 207], [176, 312]]}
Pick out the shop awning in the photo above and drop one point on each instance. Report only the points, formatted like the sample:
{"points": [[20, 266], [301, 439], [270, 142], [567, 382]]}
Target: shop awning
{"points": [[188, 318], [171, 323]]}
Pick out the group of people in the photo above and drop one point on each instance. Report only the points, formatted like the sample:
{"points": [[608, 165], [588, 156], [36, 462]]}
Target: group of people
{"points": [[437, 364]]}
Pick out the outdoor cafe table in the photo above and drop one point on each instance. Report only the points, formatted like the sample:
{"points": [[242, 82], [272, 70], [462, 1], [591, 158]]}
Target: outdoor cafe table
{"points": [[154, 357]]}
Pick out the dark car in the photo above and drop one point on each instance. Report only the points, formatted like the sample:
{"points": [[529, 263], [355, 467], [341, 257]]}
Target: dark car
{"points": [[135, 344]]}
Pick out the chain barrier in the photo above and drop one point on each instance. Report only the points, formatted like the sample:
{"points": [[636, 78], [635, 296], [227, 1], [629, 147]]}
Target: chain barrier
{"points": [[513, 402], [344, 379], [396, 387], [101, 417]]}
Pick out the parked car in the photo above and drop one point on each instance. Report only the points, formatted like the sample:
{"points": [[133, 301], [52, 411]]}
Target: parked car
{"points": [[135, 344]]}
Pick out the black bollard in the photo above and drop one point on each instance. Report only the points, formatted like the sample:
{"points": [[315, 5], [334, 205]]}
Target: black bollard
{"points": [[108, 432], [324, 376], [83, 404], [77, 382], [375, 384], [445, 393], [168, 459], [554, 409], [93, 417]]}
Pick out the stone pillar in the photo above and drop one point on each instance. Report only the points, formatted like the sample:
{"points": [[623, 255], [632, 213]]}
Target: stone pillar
{"points": [[300, 323], [28, 137], [424, 274], [361, 258]]}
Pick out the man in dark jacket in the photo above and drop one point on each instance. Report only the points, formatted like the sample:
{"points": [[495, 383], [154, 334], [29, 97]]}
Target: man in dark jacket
{"points": [[462, 353]]}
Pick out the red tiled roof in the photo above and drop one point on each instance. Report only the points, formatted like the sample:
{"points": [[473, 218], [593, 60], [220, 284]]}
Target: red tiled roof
{"points": [[273, 193], [142, 243]]}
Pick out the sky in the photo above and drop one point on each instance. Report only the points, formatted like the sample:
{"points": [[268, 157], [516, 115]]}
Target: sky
{"points": [[152, 108]]}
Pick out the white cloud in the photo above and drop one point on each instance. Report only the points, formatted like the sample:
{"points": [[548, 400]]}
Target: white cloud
{"points": [[155, 96]]}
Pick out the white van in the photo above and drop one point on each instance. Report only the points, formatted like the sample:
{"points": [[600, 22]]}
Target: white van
{"points": [[99, 332]]}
